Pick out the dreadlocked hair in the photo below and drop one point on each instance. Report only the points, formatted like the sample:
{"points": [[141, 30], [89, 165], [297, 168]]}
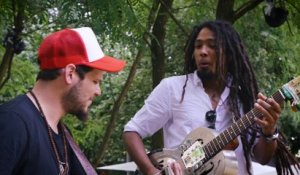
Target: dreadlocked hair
{"points": [[284, 158], [233, 60]]}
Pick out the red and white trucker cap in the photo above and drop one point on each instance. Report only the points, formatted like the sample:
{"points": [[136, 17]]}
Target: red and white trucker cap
{"points": [[75, 46]]}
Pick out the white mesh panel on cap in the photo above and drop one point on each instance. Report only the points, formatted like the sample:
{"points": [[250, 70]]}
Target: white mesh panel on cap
{"points": [[93, 49]]}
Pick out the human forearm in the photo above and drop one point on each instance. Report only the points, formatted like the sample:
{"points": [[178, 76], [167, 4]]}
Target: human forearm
{"points": [[264, 150], [135, 147], [270, 110]]}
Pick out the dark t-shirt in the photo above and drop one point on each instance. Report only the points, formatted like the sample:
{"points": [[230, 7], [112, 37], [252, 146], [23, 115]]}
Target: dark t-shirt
{"points": [[25, 148]]}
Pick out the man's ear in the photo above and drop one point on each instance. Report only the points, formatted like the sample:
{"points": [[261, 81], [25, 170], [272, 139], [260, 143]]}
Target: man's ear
{"points": [[70, 73]]}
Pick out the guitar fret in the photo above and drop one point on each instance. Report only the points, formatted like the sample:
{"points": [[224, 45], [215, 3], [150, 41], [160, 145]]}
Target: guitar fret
{"points": [[257, 113], [221, 140], [206, 151], [249, 118], [232, 130], [253, 113], [217, 139], [227, 141], [216, 144], [280, 96], [236, 128], [242, 121], [239, 126], [210, 147], [214, 148], [227, 135], [230, 133]]}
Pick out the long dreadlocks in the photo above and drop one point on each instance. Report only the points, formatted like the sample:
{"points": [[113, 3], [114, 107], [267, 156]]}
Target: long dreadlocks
{"points": [[233, 60]]}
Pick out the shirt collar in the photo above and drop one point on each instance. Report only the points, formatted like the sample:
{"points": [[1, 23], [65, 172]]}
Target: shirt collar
{"points": [[197, 82]]}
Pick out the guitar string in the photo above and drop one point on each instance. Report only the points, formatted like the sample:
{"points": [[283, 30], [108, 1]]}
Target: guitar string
{"points": [[253, 113]]}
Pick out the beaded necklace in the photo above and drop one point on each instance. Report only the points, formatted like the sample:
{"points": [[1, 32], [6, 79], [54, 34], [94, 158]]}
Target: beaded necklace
{"points": [[63, 167]]}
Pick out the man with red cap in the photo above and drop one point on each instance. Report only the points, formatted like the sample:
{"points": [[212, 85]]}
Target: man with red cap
{"points": [[33, 138]]}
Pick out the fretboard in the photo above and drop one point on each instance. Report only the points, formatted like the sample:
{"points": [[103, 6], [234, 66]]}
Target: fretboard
{"points": [[218, 143]]}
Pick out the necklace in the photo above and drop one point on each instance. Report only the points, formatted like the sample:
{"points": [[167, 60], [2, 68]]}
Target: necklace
{"points": [[63, 167]]}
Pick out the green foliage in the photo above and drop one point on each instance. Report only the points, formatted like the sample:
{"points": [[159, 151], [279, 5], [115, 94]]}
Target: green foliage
{"points": [[274, 56], [188, 13], [119, 26], [87, 134], [273, 51], [289, 125], [21, 79]]}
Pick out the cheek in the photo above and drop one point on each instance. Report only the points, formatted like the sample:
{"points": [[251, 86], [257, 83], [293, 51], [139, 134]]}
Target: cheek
{"points": [[85, 89], [92, 88]]}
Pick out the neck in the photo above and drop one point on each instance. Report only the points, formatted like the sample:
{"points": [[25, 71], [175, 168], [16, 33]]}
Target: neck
{"points": [[213, 86], [213, 89], [50, 103]]}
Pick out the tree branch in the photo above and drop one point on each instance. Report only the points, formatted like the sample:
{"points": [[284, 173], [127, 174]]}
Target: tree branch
{"points": [[117, 104], [174, 18], [251, 4], [19, 9]]}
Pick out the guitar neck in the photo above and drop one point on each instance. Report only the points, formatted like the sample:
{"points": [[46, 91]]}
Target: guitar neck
{"points": [[219, 142]]}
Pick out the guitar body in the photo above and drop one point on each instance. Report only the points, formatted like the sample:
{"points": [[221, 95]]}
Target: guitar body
{"points": [[216, 165], [201, 151]]}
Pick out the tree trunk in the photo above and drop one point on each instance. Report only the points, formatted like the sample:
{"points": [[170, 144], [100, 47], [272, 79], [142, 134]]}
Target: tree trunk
{"points": [[158, 55], [117, 104], [225, 10], [19, 10]]}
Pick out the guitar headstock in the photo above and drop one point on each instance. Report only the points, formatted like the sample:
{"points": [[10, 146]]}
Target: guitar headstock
{"points": [[291, 91]]}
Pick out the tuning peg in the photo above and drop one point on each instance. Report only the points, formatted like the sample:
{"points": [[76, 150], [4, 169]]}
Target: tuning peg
{"points": [[295, 107]]}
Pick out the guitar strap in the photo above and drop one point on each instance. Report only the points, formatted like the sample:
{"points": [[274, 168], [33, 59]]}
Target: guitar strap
{"points": [[88, 168]]}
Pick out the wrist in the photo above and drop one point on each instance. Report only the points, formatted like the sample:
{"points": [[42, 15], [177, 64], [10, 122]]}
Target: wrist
{"points": [[270, 137]]}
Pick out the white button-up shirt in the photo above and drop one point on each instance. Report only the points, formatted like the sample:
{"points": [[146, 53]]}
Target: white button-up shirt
{"points": [[163, 109]]}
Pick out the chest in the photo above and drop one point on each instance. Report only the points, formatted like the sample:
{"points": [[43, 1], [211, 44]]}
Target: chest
{"points": [[192, 111], [40, 156]]}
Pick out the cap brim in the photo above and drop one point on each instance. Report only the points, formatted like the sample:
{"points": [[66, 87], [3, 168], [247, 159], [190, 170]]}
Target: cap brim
{"points": [[108, 64]]}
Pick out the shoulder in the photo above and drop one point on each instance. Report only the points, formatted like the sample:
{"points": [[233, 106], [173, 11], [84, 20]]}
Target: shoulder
{"points": [[14, 122], [176, 83], [14, 103], [16, 112], [175, 80]]}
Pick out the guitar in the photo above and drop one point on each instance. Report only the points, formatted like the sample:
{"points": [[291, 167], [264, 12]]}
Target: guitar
{"points": [[201, 152]]}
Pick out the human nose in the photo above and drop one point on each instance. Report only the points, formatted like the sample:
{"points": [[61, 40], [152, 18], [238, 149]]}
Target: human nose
{"points": [[204, 50], [98, 91]]}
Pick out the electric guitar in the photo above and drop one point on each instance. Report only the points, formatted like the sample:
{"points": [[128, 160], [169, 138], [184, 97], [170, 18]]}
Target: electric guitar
{"points": [[201, 152]]}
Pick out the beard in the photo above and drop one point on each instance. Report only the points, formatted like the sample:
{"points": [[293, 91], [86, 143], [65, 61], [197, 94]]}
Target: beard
{"points": [[205, 75], [72, 103]]}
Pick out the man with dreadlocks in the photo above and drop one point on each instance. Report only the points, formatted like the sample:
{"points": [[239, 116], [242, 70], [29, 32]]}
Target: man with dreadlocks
{"points": [[219, 83]]}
